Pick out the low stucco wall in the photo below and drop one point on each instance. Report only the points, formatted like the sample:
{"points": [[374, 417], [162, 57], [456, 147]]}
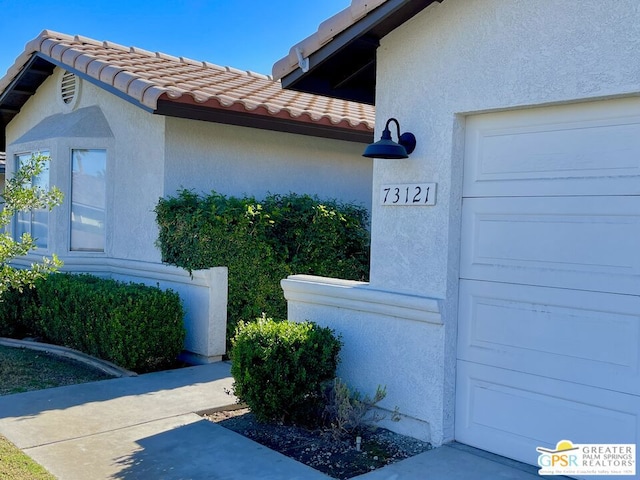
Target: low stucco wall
{"points": [[390, 339], [204, 299]]}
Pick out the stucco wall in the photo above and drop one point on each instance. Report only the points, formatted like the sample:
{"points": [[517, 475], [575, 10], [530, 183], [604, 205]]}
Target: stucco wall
{"points": [[239, 160], [453, 59], [470, 57]]}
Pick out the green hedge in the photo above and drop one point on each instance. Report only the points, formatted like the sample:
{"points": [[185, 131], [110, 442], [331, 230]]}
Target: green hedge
{"points": [[17, 317], [132, 325], [280, 368], [262, 242]]}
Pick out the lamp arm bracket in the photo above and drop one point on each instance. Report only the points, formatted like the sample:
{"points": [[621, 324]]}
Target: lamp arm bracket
{"points": [[386, 127]]}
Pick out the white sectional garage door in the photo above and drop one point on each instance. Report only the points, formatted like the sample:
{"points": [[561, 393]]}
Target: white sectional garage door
{"points": [[549, 312]]}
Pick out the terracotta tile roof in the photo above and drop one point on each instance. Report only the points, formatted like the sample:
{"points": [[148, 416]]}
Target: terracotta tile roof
{"points": [[148, 78], [326, 32]]}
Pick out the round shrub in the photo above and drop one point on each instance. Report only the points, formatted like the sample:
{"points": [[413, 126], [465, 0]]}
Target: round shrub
{"points": [[279, 368]]}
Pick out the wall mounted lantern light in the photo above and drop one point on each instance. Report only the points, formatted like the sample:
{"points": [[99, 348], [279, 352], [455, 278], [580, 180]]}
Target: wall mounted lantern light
{"points": [[387, 148]]}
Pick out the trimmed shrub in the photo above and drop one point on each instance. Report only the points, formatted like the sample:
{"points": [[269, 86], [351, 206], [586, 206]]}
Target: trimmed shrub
{"points": [[262, 242], [132, 325], [279, 368], [17, 316]]}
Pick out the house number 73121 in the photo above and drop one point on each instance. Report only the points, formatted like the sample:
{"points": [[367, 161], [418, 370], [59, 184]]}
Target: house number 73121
{"points": [[416, 194]]}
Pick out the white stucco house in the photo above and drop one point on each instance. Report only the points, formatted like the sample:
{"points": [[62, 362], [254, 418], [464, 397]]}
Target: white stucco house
{"points": [[125, 127], [506, 315]]}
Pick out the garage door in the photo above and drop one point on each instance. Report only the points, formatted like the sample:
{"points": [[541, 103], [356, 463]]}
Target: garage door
{"points": [[549, 307]]}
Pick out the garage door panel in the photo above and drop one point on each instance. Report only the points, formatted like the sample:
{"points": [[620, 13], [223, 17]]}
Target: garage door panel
{"points": [[586, 337], [549, 297], [586, 243], [588, 149], [512, 413]]}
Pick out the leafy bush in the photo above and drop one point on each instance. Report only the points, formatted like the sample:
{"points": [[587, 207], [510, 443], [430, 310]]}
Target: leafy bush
{"points": [[279, 368], [132, 325], [318, 237], [262, 242], [22, 193]]}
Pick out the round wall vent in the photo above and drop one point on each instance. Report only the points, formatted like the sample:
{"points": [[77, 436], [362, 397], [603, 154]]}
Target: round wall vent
{"points": [[69, 86]]}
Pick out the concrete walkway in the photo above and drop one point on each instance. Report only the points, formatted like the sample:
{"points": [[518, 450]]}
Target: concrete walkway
{"points": [[145, 428]]}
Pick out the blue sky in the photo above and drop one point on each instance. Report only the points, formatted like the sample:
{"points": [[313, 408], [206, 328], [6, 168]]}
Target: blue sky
{"points": [[245, 34]]}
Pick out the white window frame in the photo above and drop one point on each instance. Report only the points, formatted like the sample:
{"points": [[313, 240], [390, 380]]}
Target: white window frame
{"points": [[76, 249]]}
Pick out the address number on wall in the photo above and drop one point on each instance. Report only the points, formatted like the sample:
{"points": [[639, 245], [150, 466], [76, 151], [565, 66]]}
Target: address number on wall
{"points": [[417, 194]]}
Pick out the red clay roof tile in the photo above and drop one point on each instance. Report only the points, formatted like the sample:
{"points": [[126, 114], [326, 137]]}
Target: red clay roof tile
{"points": [[147, 77]]}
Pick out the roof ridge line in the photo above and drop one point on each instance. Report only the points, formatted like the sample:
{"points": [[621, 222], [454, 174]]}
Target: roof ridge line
{"points": [[51, 34]]}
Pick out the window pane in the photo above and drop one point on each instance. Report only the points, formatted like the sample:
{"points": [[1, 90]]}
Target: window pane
{"points": [[40, 227], [23, 223], [88, 199], [35, 222]]}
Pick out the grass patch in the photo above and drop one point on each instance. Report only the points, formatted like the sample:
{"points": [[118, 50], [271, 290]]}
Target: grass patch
{"points": [[23, 370], [15, 465]]}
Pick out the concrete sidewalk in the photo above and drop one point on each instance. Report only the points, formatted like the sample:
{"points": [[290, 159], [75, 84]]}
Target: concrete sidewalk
{"points": [[145, 428]]}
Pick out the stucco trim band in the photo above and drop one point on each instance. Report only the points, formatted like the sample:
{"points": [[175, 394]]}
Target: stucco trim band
{"points": [[359, 296]]}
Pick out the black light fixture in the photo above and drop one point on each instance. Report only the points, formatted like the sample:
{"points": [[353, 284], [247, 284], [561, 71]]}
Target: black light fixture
{"points": [[387, 148]]}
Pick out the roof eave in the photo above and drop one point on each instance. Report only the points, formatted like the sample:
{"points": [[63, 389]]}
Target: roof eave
{"points": [[345, 66], [278, 123], [23, 86]]}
